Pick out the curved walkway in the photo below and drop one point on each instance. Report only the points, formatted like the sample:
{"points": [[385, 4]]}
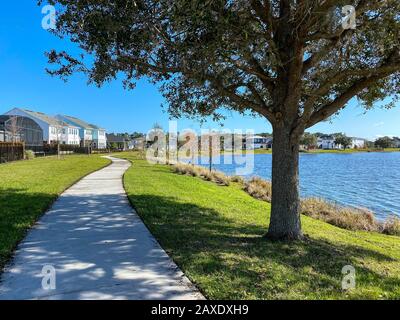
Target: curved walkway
{"points": [[98, 246]]}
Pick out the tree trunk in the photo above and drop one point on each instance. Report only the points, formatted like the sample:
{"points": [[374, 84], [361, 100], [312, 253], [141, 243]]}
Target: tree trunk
{"points": [[285, 213]]}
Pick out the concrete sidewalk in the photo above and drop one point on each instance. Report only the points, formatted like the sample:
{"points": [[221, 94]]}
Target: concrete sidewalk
{"points": [[98, 246]]}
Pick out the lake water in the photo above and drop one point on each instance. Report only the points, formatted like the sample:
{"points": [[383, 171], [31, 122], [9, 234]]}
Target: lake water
{"points": [[368, 180]]}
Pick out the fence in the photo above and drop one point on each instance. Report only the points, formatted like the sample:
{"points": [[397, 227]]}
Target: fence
{"points": [[52, 149], [10, 151]]}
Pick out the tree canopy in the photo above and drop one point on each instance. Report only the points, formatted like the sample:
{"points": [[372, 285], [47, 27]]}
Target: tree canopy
{"points": [[343, 140], [294, 62], [384, 142], [309, 140], [284, 59]]}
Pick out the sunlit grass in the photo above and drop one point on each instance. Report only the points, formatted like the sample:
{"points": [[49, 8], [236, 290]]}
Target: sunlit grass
{"points": [[215, 234], [28, 188]]}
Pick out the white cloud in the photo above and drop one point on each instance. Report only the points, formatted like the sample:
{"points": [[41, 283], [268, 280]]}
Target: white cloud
{"points": [[379, 124]]}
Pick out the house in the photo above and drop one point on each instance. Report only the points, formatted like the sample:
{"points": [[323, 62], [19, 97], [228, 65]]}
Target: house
{"points": [[54, 130], [396, 142], [257, 142], [327, 142], [21, 129], [358, 143], [139, 143], [90, 134], [119, 141]]}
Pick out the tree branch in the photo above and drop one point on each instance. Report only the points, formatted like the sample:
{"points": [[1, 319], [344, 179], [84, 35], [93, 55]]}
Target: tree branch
{"points": [[333, 107]]}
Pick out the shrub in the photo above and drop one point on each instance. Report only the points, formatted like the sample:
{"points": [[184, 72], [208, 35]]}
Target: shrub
{"points": [[237, 179], [259, 189], [220, 178], [391, 226], [343, 217], [29, 154], [197, 171]]}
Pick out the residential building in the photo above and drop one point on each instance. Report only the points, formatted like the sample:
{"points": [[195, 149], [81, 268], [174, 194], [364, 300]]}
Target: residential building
{"points": [[257, 142], [139, 143], [90, 134], [54, 130], [327, 142], [358, 143], [396, 142], [119, 141], [21, 129]]}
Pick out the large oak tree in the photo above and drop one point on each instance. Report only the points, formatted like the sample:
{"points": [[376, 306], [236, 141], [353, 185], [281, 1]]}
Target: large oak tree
{"points": [[294, 62]]}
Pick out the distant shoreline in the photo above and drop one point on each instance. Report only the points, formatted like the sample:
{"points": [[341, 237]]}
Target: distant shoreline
{"points": [[317, 151]]}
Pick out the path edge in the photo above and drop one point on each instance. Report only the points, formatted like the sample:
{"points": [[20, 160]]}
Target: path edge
{"points": [[10, 259], [183, 277]]}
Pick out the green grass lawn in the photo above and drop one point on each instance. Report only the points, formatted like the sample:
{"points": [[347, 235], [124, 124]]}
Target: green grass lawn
{"points": [[215, 234], [28, 188]]}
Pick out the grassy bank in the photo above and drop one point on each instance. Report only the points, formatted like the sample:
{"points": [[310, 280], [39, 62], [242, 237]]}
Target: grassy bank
{"points": [[27, 189], [214, 233]]}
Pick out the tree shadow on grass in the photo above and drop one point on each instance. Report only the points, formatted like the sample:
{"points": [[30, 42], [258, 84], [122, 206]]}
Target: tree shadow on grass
{"points": [[98, 247], [204, 243], [19, 210]]}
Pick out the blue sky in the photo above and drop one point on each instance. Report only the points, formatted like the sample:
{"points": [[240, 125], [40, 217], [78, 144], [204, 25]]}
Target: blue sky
{"points": [[24, 83]]}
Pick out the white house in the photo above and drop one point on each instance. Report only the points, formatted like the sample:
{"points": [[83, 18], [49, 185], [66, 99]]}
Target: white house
{"points": [[54, 130], [327, 142], [90, 134], [358, 143], [257, 142]]}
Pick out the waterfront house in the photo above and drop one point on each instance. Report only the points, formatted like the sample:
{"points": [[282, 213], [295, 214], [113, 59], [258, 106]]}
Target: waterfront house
{"points": [[358, 143], [327, 142], [90, 135], [257, 142], [396, 142], [54, 130]]}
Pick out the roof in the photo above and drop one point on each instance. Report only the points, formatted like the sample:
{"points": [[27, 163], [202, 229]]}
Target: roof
{"points": [[259, 137], [46, 118], [327, 137], [80, 123], [111, 137]]}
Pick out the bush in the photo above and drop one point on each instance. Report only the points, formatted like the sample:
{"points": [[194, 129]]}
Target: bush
{"points": [[391, 226], [259, 189], [237, 179], [197, 171], [343, 217], [220, 178], [29, 154]]}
